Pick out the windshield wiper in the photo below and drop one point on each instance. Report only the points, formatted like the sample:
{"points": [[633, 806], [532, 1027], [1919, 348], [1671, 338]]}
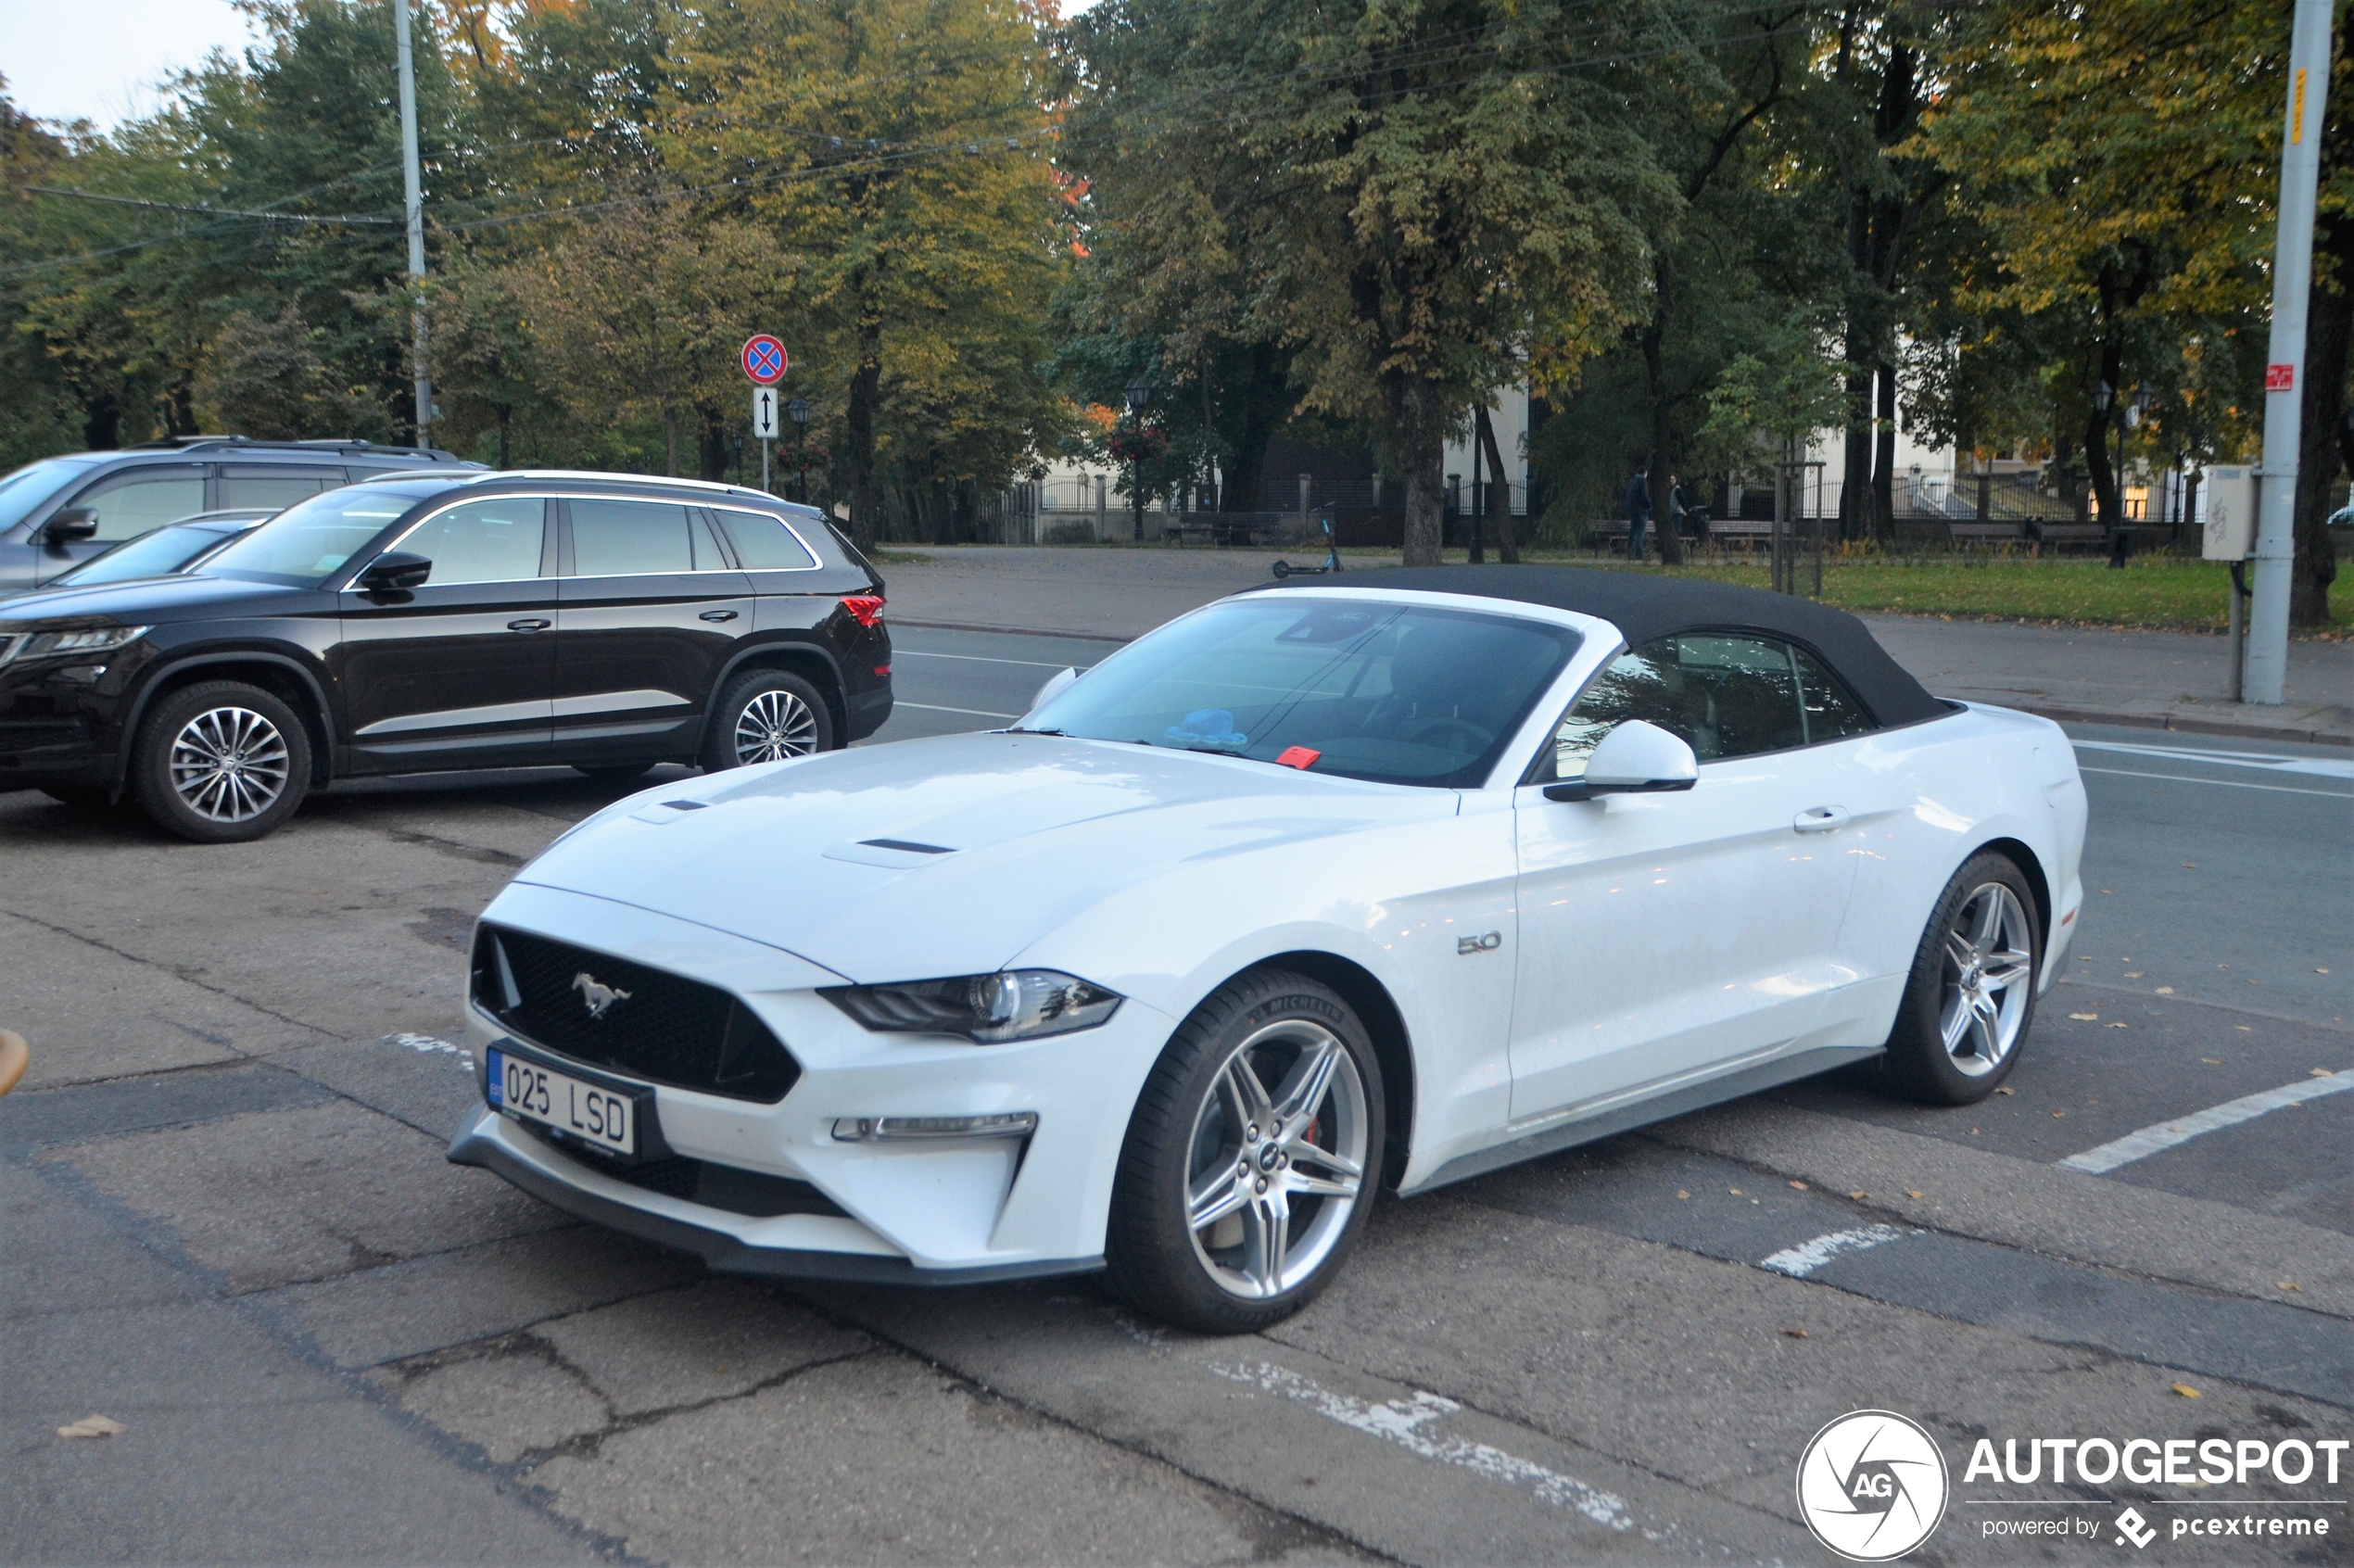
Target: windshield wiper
{"points": [[1018, 729]]}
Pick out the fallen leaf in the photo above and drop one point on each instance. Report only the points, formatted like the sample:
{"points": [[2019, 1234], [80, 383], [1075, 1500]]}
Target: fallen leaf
{"points": [[2243, 1029], [2320, 971], [2212, 1061], [1800, 1185], [2321, 1072], [1796, 1333], [2057, 1115], [2135, 973], [1859, 1196], [1682, 1193], [2006, 1088], [2190, 866], [2086, 1017], [93, 1426], [2117, 1026], [2165, 991], [1973, 1131], [2108, 890], [2291, 1284], [1913, 1195], [2186, 1391], [1735, 1192]]}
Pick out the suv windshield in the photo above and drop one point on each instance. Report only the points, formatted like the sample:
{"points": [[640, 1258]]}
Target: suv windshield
{"points": [[1392, 693], [309, 543], [34, 483]]}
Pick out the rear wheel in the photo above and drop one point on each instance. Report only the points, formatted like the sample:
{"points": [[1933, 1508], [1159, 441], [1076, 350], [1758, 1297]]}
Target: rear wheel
{"points": [[764, 716], [1971, 996], [1247, 1171], [221, 763]]}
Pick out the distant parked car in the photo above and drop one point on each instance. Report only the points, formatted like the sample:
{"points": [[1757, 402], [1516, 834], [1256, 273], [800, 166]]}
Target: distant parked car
{"points": [[170, 551], [60, 512], [448, 619]]}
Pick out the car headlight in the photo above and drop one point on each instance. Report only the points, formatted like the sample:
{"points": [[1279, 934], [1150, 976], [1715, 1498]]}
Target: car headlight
{"points": [[987, 1009], [42, 645]]}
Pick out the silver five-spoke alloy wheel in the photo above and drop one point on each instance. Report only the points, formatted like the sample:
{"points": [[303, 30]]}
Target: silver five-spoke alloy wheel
{"points": [[229, 764], [774, 725], [1277, 1158], [1989, 974]]}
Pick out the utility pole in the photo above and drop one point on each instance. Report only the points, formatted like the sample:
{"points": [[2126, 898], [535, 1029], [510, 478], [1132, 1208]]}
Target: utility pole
{"points": [[412, 188], [2309, 77]]}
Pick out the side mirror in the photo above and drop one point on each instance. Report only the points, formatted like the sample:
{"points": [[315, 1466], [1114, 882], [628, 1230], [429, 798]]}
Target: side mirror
{"points": [[1053, 688], [1636, 758], [393, 571], [75, 524]]}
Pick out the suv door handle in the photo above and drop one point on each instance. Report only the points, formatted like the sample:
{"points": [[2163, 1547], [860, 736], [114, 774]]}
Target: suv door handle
{"points": [[530, 624], [1818, 819], [718, 615]]}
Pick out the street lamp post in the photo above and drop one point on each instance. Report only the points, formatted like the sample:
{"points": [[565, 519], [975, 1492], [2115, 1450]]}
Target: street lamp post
{"points": [[1139, 394], [798, 411]]}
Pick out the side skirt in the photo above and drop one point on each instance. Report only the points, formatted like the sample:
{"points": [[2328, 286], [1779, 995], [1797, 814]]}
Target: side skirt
{"points": [[1612, 1119]]}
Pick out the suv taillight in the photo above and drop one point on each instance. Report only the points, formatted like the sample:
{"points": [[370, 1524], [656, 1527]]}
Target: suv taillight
{"points": [[865, 608]]}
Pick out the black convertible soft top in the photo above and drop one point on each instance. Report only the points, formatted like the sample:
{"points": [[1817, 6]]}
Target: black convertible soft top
{"points": [[1643, 607]]}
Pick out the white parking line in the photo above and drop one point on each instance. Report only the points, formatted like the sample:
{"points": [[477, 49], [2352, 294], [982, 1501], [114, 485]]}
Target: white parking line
{"points": [[970, 712], [2219, 783], [983, 659], [1400, 1421], [2270, 761], [2166, 1134], [1805, 1259]]}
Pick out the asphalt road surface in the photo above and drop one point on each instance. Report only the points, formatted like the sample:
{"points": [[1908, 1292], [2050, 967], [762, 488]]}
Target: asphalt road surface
{"points": [[228, 1226]]}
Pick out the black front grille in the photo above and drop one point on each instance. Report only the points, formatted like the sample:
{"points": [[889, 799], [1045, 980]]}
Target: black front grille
{"points": [[752, 1193], [664, 1030]]}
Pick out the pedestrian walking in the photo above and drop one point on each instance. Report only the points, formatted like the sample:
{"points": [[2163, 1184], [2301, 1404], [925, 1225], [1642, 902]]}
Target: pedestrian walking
{"points": [[1639, 512]]}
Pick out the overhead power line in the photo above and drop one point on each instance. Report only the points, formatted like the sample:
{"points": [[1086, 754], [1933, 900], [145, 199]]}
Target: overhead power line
{"points": [[203, 211]]}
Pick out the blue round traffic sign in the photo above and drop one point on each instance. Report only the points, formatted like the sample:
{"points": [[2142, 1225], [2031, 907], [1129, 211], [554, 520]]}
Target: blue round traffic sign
{"points": [[764, 360]]}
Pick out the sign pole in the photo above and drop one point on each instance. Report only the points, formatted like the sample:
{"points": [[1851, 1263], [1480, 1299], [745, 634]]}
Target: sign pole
{"points": [[764, 462], [2309, 76]]}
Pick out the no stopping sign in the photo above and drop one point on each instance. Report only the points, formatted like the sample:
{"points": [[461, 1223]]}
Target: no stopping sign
{"points": [[764, 360]]}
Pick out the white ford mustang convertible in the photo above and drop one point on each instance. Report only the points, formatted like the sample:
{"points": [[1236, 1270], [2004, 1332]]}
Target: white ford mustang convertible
{"points": [[1313, 890]]}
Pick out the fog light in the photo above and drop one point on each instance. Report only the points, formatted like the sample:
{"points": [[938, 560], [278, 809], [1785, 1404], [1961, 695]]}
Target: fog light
{"points": [[874, 1129]]}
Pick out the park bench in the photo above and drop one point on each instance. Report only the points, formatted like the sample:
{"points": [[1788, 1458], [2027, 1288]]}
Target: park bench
{"points": [[1990, 533], [2074, 535]]}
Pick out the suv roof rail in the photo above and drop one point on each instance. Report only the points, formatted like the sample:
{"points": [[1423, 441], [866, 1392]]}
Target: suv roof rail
{"points": [[330, 443], [607, 476]]}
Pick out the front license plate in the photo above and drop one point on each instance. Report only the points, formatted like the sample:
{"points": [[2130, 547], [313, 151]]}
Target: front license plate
{"points": [[598, 1117]]}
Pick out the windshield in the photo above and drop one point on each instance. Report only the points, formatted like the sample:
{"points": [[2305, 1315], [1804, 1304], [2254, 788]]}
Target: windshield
{"points": [[309, 543], [25, 489], [1392, 693], [159, 554]]}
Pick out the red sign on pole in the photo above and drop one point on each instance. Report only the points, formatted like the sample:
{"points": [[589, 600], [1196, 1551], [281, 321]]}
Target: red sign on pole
{"points": [[764, 360], [2280, 378]]}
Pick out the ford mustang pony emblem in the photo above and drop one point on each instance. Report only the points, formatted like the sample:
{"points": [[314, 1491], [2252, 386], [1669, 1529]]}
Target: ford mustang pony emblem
{"points": [[598, 997]]}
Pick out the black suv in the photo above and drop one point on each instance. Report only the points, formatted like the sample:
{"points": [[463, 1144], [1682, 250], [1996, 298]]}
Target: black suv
{"points": [[59, 511], [418, 622]]}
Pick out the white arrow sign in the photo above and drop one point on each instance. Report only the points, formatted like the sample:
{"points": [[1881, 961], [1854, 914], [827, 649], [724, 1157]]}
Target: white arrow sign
{"points": [[764, 412]]}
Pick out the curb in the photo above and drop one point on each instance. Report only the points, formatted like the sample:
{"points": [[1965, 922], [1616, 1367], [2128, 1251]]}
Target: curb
{"points": [[2187, 726]]}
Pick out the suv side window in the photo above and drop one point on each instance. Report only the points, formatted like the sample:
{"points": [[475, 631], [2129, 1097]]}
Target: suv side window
{"points": [[485, 542], [255, 484], [618, 538], [135, 502], [764, 543], [1724, 695]]}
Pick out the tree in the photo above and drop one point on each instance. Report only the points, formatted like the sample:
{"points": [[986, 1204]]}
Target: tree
{"points": [[896, 149], [1429, 197]]}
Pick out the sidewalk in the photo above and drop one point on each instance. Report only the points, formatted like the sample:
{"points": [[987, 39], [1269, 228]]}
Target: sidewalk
{"points": [[2161, 680]]}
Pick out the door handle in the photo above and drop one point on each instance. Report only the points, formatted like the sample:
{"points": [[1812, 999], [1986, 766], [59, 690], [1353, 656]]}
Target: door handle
{"points": [[530, 624], [1818, 819], [718, 615]]}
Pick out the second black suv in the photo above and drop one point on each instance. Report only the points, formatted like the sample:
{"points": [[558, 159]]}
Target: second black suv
{"points": [[59, 511], [421, 621]]}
